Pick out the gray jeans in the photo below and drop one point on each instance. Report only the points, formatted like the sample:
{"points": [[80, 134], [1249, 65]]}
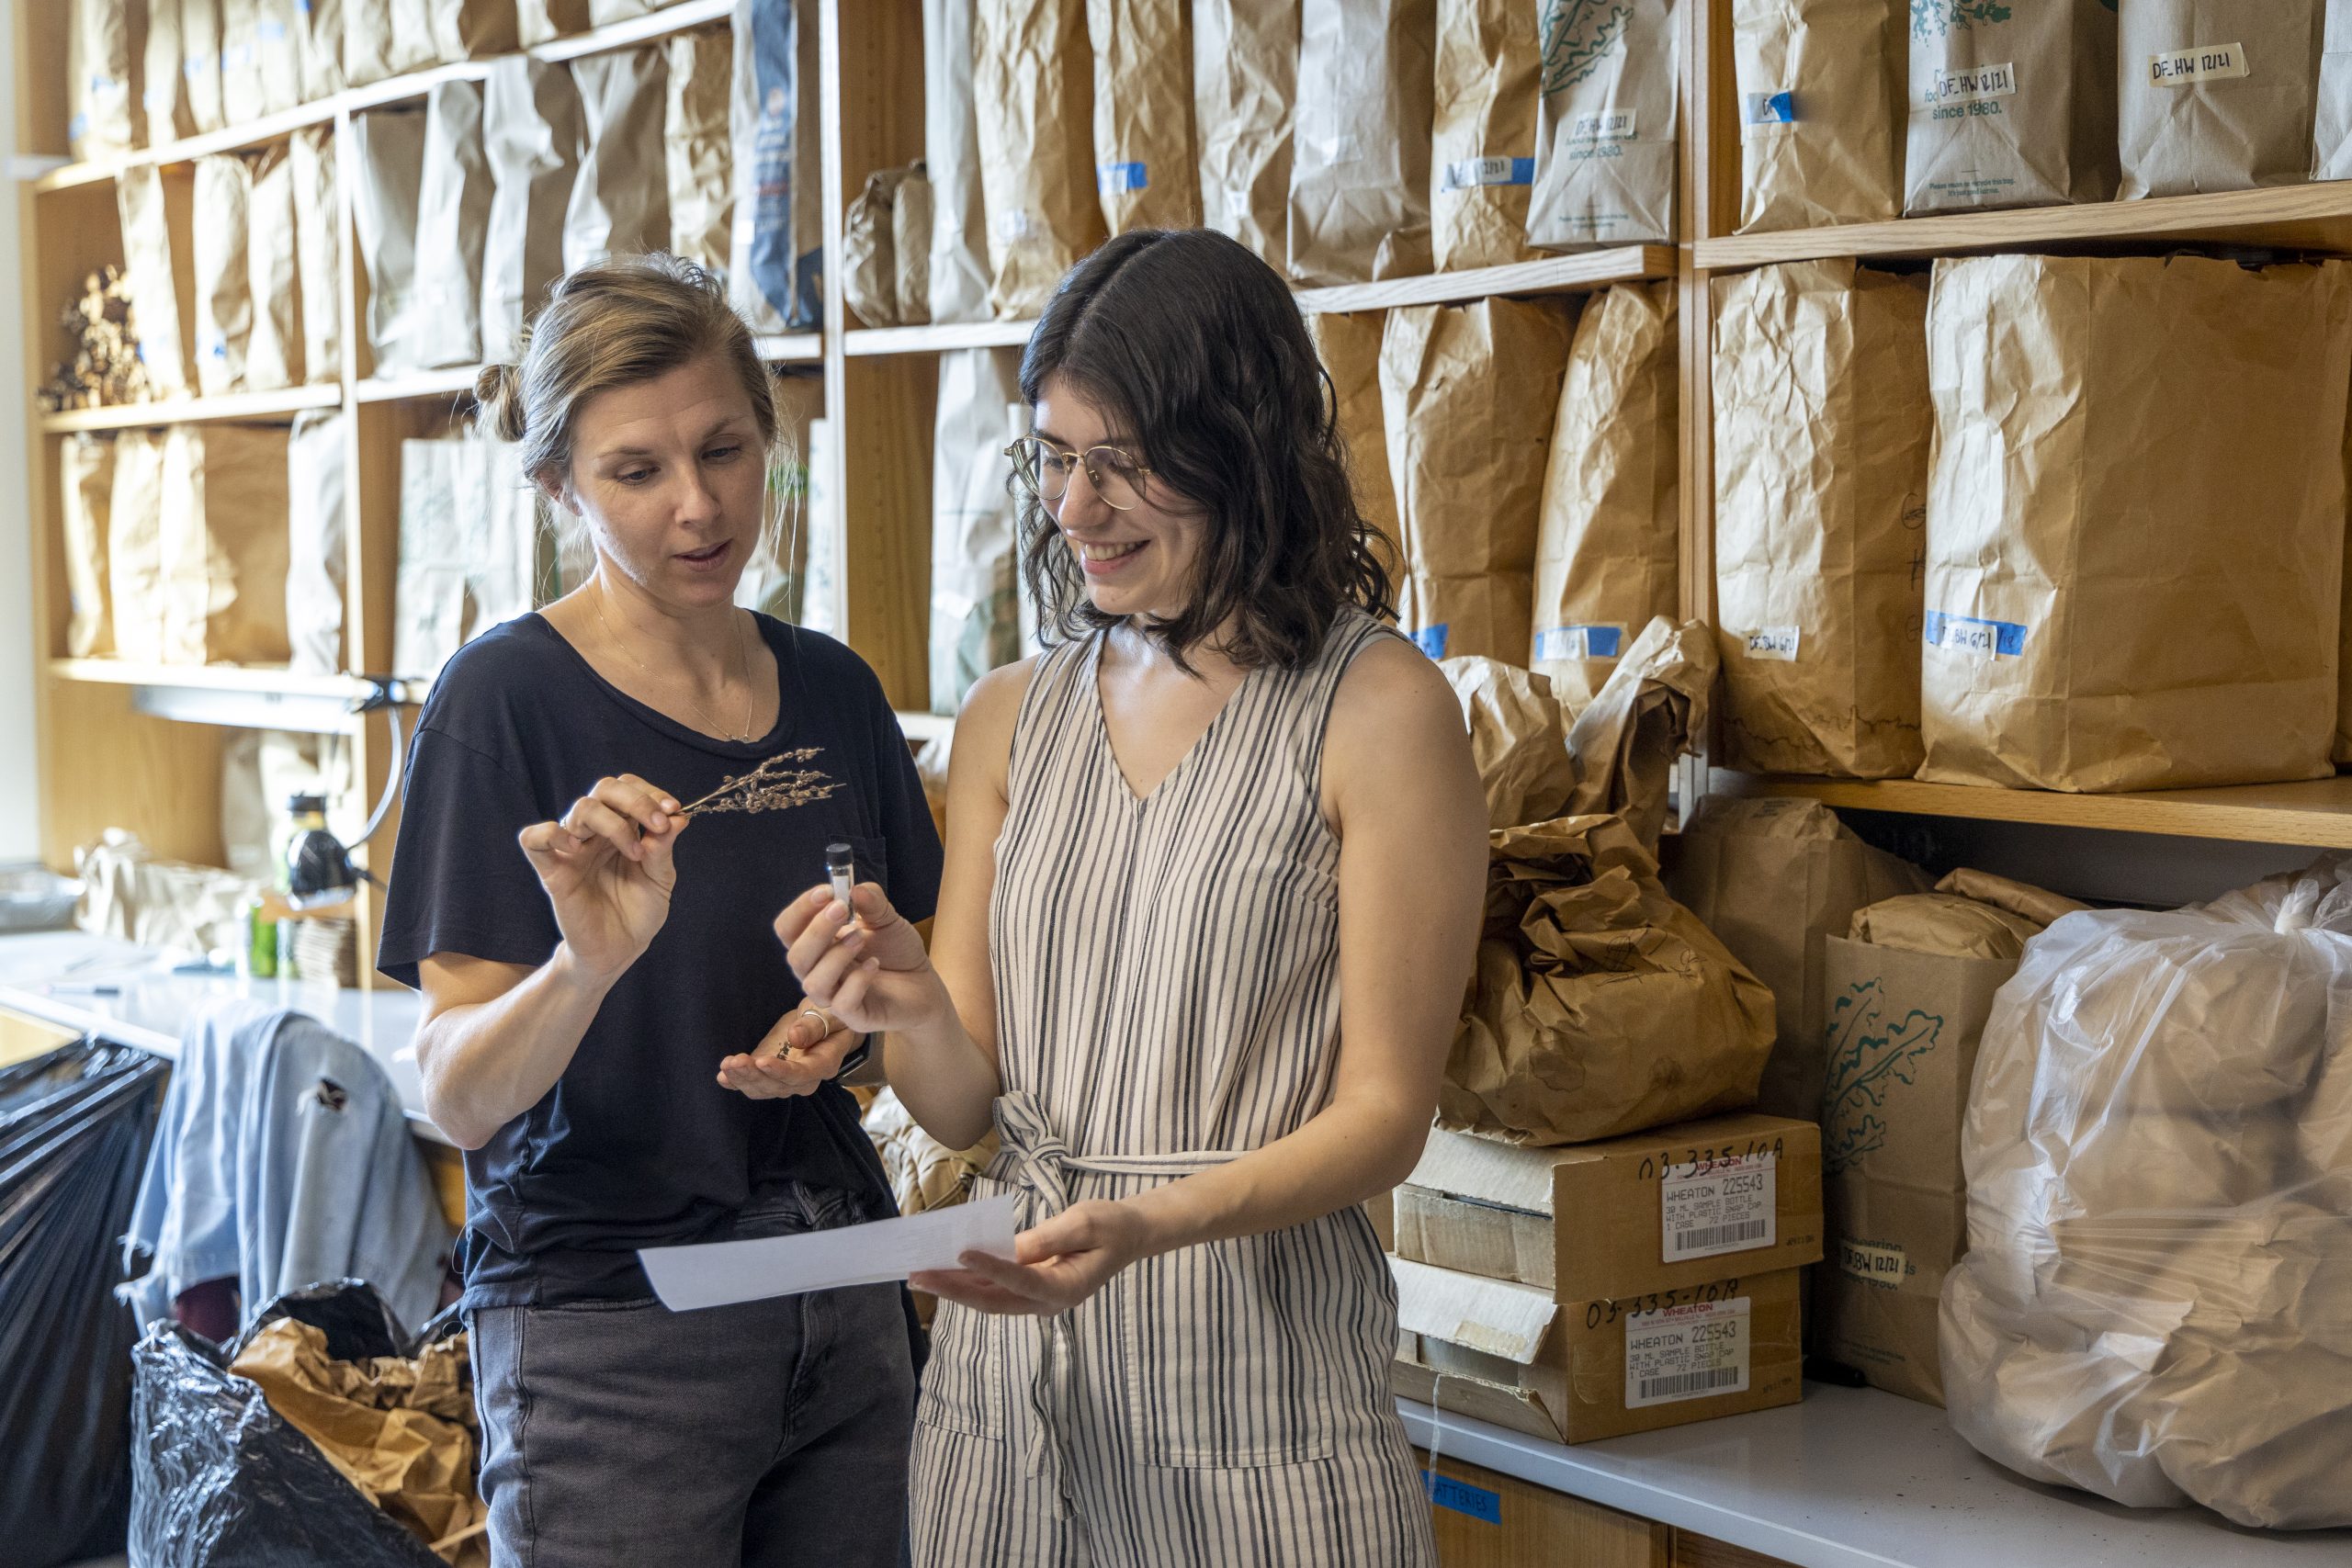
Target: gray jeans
{"points": [[772, 1434]]}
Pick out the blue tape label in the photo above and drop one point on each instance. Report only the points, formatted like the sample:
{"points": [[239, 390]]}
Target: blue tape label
{"points": [[1970, 635], [1463, 1498], [1467, 173], [1115, 179], [1579, 642], [1772, 109], [1431, 639]]}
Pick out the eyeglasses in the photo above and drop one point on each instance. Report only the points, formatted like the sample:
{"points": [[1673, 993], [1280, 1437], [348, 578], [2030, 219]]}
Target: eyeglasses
{"points": [[1044, 469]]}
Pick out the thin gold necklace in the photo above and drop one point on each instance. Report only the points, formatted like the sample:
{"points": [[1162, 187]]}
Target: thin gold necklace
{"points": [[740, 734]]}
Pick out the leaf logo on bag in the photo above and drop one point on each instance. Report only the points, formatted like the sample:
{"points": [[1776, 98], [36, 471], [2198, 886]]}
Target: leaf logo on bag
{"points": [[1934, 18], [1869, 1053], [1578, 35]]}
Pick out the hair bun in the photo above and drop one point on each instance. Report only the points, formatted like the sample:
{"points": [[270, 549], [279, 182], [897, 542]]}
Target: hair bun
{"points": [[499, 390]]}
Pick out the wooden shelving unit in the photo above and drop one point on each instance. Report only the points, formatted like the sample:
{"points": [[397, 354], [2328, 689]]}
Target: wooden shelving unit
{"points": [[280, 404], [2317, 812]]}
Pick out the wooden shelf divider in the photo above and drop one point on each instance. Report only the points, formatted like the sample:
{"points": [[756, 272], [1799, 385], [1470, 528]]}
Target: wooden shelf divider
{"points": [[252, 679], [276, 404]]}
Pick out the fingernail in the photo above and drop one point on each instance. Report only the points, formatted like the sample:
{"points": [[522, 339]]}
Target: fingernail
{"points": [[668, 805]]}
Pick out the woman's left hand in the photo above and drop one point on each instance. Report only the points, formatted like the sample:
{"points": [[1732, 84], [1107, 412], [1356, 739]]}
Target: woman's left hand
{"points": [[802, 1052], [1060, 1263]]}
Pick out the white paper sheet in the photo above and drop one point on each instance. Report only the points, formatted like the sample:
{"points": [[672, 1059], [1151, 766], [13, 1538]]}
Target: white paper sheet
{"points": [[723, 1272]]}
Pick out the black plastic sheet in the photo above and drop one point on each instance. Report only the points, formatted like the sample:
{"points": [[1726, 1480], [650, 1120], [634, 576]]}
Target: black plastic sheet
{"points": [[74, 1130]]}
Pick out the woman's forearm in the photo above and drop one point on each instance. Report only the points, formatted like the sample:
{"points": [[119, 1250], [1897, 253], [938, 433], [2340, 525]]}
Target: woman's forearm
{"points": [[486, 1063], [946, 1078]]}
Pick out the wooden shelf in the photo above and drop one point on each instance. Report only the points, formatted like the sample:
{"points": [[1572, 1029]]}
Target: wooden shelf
{"points": [[2317, 813], [1555, 274], [457, 381], [2304, 217], [181, 410], [792, 348], [675, 18], [265, 680]]}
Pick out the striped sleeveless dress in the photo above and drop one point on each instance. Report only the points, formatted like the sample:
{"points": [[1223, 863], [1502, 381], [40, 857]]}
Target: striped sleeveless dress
{"points": [[1167, 996]]}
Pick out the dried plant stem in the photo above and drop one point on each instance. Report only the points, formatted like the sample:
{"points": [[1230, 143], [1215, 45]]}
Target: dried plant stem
{"points": [[775, 785]]}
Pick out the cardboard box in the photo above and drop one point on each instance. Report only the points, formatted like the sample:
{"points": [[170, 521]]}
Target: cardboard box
{"points": [[1576, 1371], [1664, 1210], [1487, 1519]]}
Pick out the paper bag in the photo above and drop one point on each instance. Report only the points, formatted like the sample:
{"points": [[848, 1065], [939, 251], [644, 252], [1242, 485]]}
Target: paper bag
{"points": [[277, 47], [621, 201], [2010, 105], [318, 46], [1607, 550], [1483, 160], [159, 271], [389, 159], [774, 280], [2199, 645], [166, 114], [911, 218], [604, 13], [224, 305], [975, 522], [452, 223], [223, 544], [387, 38], [1467, 394], [701, 159], [1608, 124], [1601, 1007], [870, 251], [103, 57], [474, 29], [200, 63], [531, 133], [1245, 87], [1145, 167], [778, 570], [544, 21], [1647, 712], [1349, 346], [1360, 153], [1482, 615], [135, 547], [1774, 879], [1822, 430], [2332, 134], [318, 243], [2216, 96], [470, 549], [314, 560], [1518, 736], [274, 346], [1820, 99], [85, 482], [950, 155], [241, 89], [1033, 98]]}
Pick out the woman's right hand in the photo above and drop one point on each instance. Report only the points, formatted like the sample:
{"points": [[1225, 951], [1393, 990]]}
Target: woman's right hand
{"points": [[872, 973], [608, 870]]}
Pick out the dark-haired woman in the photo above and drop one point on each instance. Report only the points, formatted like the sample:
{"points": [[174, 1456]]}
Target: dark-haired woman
{"points": [[1213, 873]]}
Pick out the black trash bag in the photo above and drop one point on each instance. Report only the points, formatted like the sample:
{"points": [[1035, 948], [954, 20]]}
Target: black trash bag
{"points": [[219, 1481], [74, 1125]]}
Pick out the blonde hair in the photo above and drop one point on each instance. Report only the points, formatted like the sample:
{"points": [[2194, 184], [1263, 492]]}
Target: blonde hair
{"points": [[618, 324]]}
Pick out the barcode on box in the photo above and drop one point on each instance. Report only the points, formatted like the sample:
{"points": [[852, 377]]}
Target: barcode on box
{"points": [[1682, 1385], [1686, 1352], [1709, 1208], [1709, 1238]]}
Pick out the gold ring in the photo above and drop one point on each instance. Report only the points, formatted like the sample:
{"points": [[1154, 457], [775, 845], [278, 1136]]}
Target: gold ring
{"points": [[820, 1015]]}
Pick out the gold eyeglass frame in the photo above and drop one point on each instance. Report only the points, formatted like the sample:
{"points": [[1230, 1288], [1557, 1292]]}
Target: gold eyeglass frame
{"points": [[1084, 458]]}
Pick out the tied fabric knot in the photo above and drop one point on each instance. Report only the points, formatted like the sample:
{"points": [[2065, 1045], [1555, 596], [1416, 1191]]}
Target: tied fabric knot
{"points": [[1033, 1157]]}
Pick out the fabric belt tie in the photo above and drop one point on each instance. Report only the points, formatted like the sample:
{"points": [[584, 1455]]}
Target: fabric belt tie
{"points": [[1033, 1157]]}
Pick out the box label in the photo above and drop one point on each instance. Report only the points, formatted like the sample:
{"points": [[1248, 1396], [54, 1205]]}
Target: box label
{"points": [[1686, 1352], [1712, 1207], [2206, 63], [1463, 1498], [1971, 85], [1872, 1262], [1775, 642]]}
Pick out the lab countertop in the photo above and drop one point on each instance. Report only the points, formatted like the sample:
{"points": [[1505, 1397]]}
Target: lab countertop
{"points": [[126, 993]]}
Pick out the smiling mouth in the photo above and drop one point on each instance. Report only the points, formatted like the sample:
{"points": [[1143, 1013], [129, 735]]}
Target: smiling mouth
{"points": [[1108, 552]]}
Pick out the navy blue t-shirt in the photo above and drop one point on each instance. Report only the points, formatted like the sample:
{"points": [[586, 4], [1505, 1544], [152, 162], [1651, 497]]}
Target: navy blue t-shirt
{"points": [[638, 1144]]}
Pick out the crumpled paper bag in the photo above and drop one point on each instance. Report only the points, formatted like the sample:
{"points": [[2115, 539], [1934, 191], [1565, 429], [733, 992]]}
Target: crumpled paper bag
{"points": [[1519, 738], [1644, 716]]}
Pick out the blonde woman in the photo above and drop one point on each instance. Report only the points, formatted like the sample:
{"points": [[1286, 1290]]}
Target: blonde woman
{"points": [[1215, 864], [611, 1031]]}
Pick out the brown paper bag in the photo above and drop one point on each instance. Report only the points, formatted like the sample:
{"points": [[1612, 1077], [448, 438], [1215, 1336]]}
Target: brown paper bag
{"points": [[1468, 395], [975, 523], [274, 346], [544, 21], [318, 242], [1478, 616], [1033, 96], [474, 29], [159, 270], [1483, 156], [277, 52], [166, 114], [104, 55], [620, 202], [776, 276], [314, 557], [223, 544], [531, 131], [1820, 97], [701, 157], [84, 484], [389, 160], [317, 45], [1601, 1006], [950, 155], [1648, 713], [2011, 106], [1608, 551], [1360, 152], [2216, 96], [1822, 429], [910, 220], [1245, 85], [604, 13], [1144, 168], [1349, 346], [134, 547], [869, 250], [200, 63], [224, 304], [2332, 134], [1608, 125], [1518, 736], [2199, 645], [1774, 879], [387, 38], [240, 86], [452, 225]]}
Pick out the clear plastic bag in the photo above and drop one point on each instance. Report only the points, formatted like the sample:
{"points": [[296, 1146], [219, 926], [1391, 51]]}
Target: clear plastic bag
{"points": [[2157, 1301]]}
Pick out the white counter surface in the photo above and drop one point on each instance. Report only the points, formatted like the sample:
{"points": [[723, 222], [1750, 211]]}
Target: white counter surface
{"points": [[1854, 1478]]}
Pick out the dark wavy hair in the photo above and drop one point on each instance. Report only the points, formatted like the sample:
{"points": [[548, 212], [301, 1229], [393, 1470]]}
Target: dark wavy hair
{"points": [[1196, 354]]}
